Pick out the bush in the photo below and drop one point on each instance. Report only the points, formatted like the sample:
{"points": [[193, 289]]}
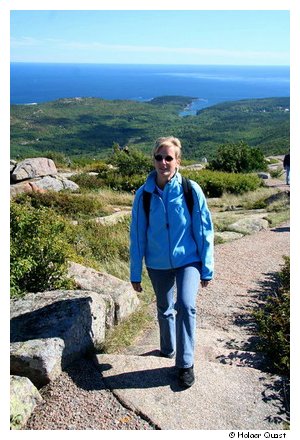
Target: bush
{"points": [[125, 183], [238, 158], [39, 250], [87, 181], [132, 162], [273, 322], [98, 243], [215, 184], [64, 203]]}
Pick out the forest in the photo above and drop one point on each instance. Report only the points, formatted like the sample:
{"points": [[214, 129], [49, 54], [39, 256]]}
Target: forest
{"points": [[90, 127]]}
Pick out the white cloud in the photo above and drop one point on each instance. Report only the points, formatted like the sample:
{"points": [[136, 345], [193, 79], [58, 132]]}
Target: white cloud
{"points": [[175, 50], [24, 41], [97, 48]]}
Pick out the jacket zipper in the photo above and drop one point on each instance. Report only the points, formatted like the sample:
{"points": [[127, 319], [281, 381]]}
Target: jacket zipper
{"points": [[167, 227]]}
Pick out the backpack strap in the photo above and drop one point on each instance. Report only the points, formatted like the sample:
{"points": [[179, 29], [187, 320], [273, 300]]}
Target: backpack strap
{"points": [[146, 203], [188, 194]]}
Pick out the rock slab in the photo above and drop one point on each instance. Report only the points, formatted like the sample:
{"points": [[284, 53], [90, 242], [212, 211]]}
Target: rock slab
{"points": [[51, 329], [148, 385]]}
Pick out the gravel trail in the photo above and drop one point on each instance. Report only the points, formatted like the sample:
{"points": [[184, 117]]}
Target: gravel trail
{"points": [[78, 399]]}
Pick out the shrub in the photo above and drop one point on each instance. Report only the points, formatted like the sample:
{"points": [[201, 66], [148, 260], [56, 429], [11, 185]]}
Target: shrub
{"points": [[102, 243], [276, 174], [65, 203], [96, 166], [215, 184], [39, 250], [87, 181], [132, 162], [125, 183], [273, 322], [238, 158]]}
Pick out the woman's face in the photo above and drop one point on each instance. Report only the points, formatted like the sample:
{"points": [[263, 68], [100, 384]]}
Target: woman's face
{"points": [[165, 167]]}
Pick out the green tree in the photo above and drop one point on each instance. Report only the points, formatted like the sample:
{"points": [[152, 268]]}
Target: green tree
{"points": [[238, 158]]}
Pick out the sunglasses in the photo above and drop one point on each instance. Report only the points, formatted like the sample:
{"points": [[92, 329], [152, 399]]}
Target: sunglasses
{"points": [[160, 157]]}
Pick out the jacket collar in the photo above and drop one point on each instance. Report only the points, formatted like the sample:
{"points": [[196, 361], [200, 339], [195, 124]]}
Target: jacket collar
{"points": [[151, 183]]}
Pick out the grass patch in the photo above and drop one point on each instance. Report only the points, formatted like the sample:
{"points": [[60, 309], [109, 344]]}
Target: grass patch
{"points": [[115, 198], [124, 334], [277, 218]]}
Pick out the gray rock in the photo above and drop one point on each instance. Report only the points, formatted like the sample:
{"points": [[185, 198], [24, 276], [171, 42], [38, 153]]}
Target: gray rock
{"points": [[282, 196], [195, 166], [35, 167], [47, 183], [124, 297], [56, 183], [228, 235], [249, 225], [51, 329], [23, 187], [23, 399], [113, 218]]}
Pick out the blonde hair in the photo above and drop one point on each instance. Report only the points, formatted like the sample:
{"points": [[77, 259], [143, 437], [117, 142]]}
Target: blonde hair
{"points": [[169, 141]]}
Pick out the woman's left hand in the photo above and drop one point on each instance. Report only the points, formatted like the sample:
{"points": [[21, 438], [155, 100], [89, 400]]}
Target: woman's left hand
{"points": [[204, 283], [137, 287]]}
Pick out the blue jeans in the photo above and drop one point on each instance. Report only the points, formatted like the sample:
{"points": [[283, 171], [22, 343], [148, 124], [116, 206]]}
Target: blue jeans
{"points": [[177, 321], [287, 175]]}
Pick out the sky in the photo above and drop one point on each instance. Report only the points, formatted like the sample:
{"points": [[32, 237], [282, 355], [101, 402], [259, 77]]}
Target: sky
{"points": [[236, 37]]}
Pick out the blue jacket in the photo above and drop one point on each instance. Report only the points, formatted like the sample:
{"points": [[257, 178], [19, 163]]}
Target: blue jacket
{"points": [[171, 239]]}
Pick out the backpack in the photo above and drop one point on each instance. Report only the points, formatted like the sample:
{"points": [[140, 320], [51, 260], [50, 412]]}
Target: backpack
{"points": [[187, 192]]}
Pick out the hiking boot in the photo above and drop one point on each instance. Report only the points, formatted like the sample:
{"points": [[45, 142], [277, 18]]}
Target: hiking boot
{"points": [[186, 376]]}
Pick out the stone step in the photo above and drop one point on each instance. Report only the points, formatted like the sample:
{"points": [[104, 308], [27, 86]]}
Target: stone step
{"points": [[148, 385]]}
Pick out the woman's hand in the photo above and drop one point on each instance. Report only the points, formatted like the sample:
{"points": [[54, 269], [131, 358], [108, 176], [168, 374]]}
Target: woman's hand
{"points": [[137, 287], [204, 283]]}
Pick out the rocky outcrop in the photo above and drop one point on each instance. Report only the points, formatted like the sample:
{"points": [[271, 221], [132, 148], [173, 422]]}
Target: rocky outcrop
{"points": [[125, 300], [51, 329], [56, 183], [31, 168], [38, 174], [23, 399], [24, 187]]}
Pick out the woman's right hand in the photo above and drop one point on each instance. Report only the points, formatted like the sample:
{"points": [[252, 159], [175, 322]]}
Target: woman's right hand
{"points": [[137, 287]]}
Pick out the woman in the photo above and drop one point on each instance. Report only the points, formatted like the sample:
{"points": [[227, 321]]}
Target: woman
{"points": [[178, 249]]}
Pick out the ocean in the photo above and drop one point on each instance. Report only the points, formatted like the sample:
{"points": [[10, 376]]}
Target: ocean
{"points": [[42, 82]]}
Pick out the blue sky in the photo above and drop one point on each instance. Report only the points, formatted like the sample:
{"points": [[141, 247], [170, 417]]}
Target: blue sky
{"points": [[245, 37]]}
